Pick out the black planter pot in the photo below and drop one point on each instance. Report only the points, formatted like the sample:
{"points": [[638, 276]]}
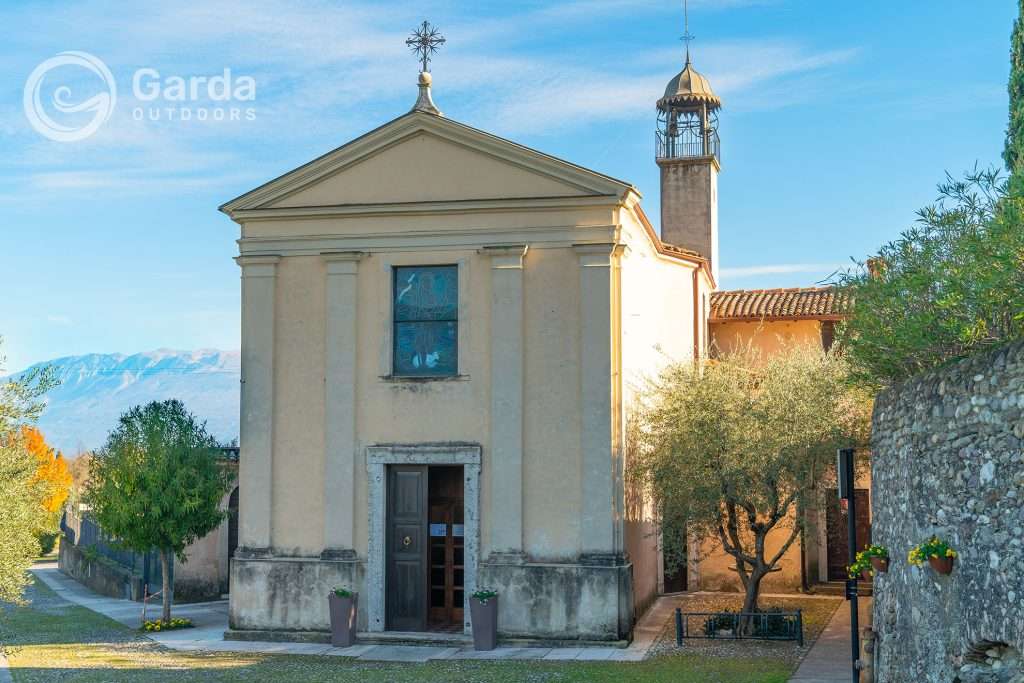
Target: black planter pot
{"points": [[343, 619], [485, 623]]}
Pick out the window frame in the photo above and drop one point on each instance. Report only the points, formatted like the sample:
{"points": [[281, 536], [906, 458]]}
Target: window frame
{"points": [[395, 322]]}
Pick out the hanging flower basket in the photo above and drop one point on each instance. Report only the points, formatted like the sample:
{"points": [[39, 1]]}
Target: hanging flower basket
{"points": [[943, 565], [937, 552], [870, 561]]}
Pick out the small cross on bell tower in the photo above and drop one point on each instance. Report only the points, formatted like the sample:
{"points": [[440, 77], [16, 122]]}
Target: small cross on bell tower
{"points": [[425, 41]]}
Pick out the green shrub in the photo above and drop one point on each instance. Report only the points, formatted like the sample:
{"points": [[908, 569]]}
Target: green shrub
{"points": [[948, 287], [47, 542]]}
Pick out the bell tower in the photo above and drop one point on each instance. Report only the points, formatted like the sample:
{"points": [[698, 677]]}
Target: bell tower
{"points": [[688, 155]]}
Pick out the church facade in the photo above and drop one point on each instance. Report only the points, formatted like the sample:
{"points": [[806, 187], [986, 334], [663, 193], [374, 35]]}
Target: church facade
{"points": [[442, 331]]}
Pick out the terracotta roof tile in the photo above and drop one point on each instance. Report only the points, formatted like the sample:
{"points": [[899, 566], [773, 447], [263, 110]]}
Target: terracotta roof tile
{"points": [[807, 303]]}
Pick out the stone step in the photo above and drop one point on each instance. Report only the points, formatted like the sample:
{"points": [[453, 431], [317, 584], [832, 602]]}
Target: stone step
{"points": [[839, 588]]}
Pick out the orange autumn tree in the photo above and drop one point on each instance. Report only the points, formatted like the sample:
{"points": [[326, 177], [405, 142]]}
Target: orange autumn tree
{"points": [[52, 470]]}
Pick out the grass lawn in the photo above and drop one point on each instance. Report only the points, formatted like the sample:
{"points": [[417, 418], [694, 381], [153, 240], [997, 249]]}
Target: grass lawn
{"points": [[51, 639]]}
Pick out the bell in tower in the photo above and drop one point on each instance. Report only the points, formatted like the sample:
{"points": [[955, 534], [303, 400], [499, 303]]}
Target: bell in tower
{"points": [[688, 155]]}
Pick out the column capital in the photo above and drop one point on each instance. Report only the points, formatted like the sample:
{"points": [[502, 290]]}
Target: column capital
{"points": [[505, 255], [599, 254], [258, 265], [342, 262]]}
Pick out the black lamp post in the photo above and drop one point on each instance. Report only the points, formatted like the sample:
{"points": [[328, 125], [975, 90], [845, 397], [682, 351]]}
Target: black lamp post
{"points": [[845, 478]]}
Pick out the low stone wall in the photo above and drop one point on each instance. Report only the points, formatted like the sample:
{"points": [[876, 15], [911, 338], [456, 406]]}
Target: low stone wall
{"points": [[98, 573], [947, 460]]}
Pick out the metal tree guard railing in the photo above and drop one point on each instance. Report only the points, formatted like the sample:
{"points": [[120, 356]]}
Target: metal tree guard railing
{"points": [[740, 626]]}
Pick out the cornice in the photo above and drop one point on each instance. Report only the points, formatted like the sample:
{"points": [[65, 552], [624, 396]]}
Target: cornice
{"points": [[467, 206]]}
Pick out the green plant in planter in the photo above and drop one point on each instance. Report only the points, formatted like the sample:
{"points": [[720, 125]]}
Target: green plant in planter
{"points": [[861, 564], [484, 594], [342, 592], [933, 548], [876, 551]]}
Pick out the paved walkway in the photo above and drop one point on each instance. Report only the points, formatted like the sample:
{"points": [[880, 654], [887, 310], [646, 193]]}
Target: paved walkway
{"points": [[829, 658], [211, 620]]}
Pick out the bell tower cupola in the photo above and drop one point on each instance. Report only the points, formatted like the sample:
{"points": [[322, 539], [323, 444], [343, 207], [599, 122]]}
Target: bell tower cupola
{"points": [[688, 153]]}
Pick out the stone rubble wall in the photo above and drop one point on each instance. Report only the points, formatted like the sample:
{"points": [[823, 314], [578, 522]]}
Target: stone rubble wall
{"points": [[947, 460]]}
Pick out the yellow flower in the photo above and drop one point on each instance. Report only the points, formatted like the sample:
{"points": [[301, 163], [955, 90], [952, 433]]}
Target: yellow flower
{"points": [[950, 552]]}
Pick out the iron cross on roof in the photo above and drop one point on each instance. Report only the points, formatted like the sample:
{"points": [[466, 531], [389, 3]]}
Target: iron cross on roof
{"points": [[687, 36], [424, 41]]}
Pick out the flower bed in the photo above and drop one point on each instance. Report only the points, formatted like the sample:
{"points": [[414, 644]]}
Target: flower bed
{"points": [[161, 625]]}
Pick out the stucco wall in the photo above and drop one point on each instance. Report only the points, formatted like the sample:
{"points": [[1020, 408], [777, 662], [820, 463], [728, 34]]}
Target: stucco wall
{"points": [[948, 460], [396, 411], [768, 336], [657, 329], [204, 575]]}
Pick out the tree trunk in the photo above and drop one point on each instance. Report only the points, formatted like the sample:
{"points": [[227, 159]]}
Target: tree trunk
{"points": [[750, 600], [753, 589], [168, 589]]}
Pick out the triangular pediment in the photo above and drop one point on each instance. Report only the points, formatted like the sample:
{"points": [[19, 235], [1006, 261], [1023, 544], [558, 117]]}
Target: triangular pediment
{"points": [[422, 158]]}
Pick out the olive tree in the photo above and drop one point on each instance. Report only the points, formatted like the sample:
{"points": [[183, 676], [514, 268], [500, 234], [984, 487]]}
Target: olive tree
{"points": [[731, 449], [157, 483], [22, 491], [948, 287]]}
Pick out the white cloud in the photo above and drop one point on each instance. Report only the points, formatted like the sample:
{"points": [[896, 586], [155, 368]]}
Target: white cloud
{"points": [[328, 70], [542, 97], [61, 320]]}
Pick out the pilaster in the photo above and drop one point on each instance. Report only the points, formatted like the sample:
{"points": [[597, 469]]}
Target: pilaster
{"points": [[256, 427], [597, 466], [506, 461], [340, 404]]}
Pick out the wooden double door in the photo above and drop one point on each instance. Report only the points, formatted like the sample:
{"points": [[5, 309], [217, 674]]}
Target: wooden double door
{"points": [[425, 532], [837, 530]]}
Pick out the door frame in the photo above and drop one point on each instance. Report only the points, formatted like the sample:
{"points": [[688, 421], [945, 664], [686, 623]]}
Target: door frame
{"points": [[377, 460]]}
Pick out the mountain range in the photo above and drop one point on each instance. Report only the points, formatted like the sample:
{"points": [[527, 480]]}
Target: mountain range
{"points": [[95, 389]]}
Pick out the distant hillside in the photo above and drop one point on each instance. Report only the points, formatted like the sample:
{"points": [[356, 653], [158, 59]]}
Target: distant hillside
{"points": [[95, 390]]}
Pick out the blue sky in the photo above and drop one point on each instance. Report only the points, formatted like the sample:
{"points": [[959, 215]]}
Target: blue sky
{"points": [[838, 120]]}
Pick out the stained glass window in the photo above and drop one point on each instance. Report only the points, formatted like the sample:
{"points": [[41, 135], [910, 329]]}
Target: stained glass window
{"points": [[426, 315]]}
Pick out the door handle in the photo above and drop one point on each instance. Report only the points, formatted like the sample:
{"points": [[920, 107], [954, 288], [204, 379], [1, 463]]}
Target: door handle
{"points": [[407, 540]]}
